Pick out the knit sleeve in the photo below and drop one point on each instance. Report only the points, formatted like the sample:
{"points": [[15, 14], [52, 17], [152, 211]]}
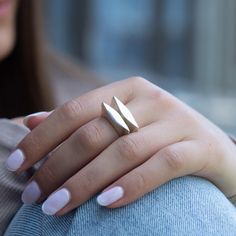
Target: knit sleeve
{"points": [[11, 185]]}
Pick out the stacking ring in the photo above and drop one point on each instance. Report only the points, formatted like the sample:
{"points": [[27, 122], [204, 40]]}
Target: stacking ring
{"points": [[119, 117]]}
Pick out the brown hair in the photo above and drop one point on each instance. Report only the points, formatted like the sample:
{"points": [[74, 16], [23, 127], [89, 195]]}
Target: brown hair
{"points": [[32, 65], [23, 83]]}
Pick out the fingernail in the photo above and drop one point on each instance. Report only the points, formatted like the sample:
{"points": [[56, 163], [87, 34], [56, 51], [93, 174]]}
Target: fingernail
{"points": [[31, 193], [15, 160], [56, 202], [110, 196], [26, 119]]}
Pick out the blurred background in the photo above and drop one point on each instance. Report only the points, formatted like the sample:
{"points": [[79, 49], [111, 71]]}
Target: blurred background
{"points": [[187, 47]]}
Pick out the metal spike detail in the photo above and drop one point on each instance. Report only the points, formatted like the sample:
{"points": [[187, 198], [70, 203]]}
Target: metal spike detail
{"points": [[126, 115], [115, 119]]}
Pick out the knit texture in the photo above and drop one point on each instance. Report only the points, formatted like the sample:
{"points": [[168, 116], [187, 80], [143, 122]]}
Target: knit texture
{"points": [[11, 186]]}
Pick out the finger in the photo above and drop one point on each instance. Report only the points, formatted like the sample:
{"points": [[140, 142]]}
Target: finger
{"points": [[176, 160], [33, 120], [120, 157], [80, 148], [66, 119]]}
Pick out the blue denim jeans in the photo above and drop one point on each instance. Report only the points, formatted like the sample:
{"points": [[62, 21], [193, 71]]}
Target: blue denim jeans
{"points": [[184, 206]]}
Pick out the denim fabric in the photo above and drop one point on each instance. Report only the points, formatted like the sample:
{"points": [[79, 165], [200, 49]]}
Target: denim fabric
{"points": [[184, 206]]}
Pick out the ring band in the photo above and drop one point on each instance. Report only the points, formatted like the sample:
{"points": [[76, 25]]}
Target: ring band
{"points": [[120, 118]]}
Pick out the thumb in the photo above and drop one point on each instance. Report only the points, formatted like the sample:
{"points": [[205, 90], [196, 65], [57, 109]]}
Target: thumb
{"points": [[33, 120]]}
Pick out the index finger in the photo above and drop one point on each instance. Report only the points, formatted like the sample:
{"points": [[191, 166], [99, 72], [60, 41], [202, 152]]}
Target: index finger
{"points": [[64, 121]]}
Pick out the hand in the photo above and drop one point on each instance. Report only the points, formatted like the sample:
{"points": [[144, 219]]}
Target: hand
{"points": [[87, 155], [34, 119]]}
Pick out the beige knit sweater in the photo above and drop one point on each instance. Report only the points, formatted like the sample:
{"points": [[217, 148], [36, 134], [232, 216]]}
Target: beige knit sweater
{"points": [[11, 185]]}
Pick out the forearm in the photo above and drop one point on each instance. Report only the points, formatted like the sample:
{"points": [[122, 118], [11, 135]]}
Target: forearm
{"points": [[11, 185]]}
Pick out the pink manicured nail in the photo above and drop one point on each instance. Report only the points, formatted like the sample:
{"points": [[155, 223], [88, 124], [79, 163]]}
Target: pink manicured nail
{"points": [[15, 160], [110, 196], [56, 202], [43, 113], [31, 193]]}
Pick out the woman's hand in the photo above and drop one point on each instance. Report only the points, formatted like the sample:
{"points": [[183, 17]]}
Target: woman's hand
{"points": [[87, 155]]}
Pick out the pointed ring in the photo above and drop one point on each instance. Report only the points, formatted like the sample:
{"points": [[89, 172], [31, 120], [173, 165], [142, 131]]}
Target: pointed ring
{"points": [[121, 119], [125, 114]]}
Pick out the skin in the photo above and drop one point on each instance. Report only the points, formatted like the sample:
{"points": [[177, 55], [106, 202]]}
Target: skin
{"points": [[7, 28], [87, 156]]}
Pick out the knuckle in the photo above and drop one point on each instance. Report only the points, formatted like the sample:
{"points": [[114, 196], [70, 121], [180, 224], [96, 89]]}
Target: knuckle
{"points": [[30, 145], [71, 109], [140, 182], [167, 101], [88, 185], [139, 86], [135, 85], [140, 83], [173, 159], [137, 80], [161, 98], [127, 148], [46, 177], [156, 94], [89, 136]]}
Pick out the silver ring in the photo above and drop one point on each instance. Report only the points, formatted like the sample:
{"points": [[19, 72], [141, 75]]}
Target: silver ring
{"points": [[119, 117]]}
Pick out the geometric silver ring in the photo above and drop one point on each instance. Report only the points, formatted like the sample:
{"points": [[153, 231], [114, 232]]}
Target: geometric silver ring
{"points": [[119, 117]]}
